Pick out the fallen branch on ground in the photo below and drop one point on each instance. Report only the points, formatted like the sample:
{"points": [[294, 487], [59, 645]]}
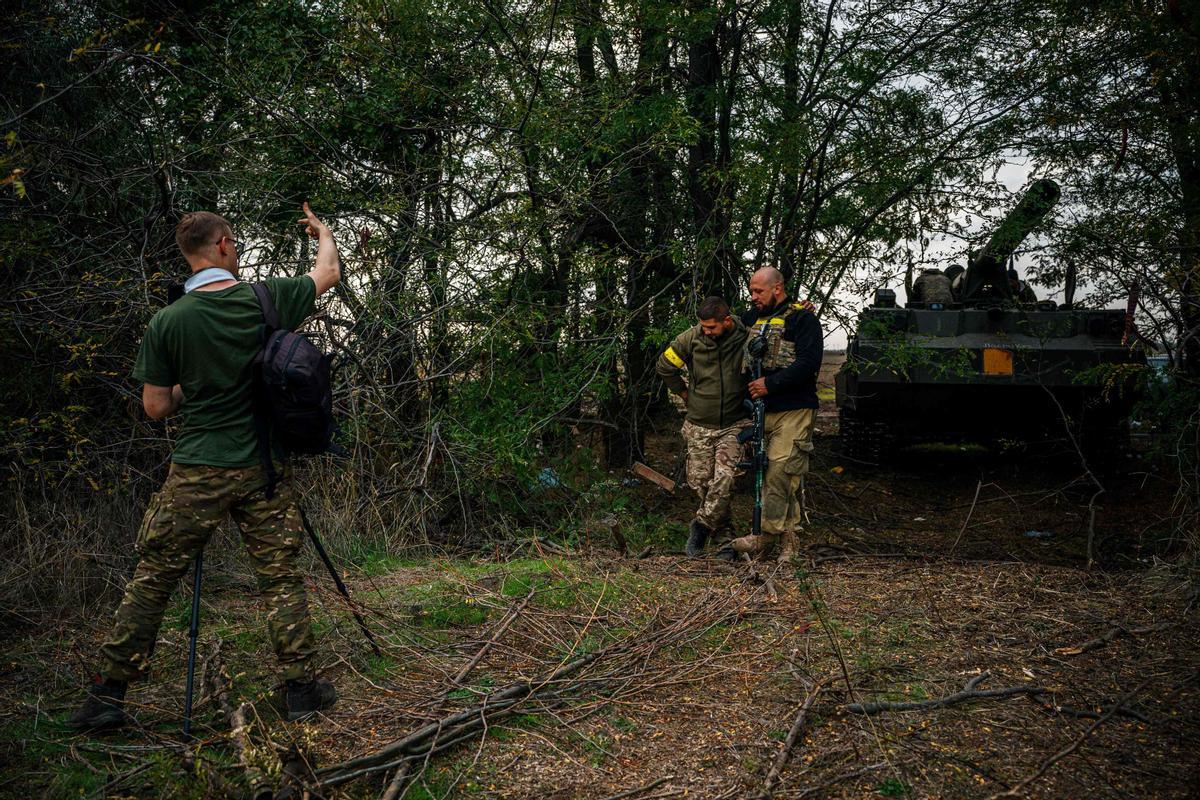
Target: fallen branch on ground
{"points": [[963, 529], [295, 775], [1087, 713], [220, 687], [785, 752], [1106, 637], [640, 789], [846, 776], [847, 556], [1016, 791], [405, 775], [969, 692], [448, 731]]}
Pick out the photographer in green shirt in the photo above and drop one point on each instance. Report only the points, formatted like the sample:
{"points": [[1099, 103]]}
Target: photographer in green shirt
{"points": [[197, 360]]}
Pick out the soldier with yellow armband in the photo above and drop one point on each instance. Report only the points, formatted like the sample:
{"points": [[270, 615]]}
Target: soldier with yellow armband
{"points": [[712, 354], [794, 347]]}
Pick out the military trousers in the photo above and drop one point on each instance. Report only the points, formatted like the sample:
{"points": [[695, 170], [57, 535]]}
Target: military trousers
{"points": [[181, 518], [712, 458], [789, 446]]}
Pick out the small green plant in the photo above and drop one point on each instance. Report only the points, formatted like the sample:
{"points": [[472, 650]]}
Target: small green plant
{"points": [[379, 667], [450, 614], [512, 728], [865, 660], [244, 638], [624, 725], [483, 687], [893, 787], [376, 562], [178, 615]]}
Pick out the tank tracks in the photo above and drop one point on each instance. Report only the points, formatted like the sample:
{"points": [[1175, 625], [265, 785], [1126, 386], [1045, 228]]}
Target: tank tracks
{"points": [[869, 441]]}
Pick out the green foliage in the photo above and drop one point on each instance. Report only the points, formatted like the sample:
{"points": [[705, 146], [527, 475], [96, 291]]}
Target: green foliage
{"points": [[527, 207], [440, 605], [1167, 407], [472, 693], [373, 562], [897, 353], [893, 787], [624, 724], [380, 667], [1115, 381], [33, 746]]}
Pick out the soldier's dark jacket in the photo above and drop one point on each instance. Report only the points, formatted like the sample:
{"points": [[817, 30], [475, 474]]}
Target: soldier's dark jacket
{"points": [[715, 371], [795, 346]]}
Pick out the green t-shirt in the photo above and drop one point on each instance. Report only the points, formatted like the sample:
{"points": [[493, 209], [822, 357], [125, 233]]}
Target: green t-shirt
{"points": [[206, 342]]}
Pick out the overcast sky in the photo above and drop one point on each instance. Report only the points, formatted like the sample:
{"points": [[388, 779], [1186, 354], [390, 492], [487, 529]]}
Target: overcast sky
{"points": [[1014, 175]]}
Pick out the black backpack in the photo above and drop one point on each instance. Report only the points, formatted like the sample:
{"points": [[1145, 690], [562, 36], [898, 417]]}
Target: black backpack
{"points": [[293, 392]]}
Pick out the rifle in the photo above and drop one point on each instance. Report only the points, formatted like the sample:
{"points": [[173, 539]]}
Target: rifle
{"points": [[756, 433]]}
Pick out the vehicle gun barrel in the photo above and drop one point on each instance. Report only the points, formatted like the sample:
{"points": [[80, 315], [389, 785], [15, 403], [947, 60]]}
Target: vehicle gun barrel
{"points": [[987, 267]]}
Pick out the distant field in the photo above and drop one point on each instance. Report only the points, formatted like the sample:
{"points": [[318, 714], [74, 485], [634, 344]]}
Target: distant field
{"points": [[830, 364]]}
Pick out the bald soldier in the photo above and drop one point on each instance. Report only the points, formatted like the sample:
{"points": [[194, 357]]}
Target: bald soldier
{"points": [[788, 386]]}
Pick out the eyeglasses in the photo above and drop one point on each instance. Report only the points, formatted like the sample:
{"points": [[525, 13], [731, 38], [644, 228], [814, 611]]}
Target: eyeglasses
{"points": [[237, 243]]}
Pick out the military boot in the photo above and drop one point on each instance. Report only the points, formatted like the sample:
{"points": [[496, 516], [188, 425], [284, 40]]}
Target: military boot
{"points": [[754, 546], [726, 553], [307, 697], [698, 534], [103, 709], [789, 547]]}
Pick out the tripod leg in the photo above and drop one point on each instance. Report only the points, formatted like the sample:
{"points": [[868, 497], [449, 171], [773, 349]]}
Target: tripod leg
{"points": [[193, 634], [337, 579]]}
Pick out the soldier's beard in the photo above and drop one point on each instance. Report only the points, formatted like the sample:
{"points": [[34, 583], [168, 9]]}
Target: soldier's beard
{"points": [[769, 308]]}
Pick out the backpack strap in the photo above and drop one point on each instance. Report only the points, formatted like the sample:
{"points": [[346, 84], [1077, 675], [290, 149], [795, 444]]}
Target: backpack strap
{"points": [[262, 418], [269, 312]]}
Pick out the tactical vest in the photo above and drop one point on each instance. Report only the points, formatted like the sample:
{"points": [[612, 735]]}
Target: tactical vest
{"points": [[780, 353]]}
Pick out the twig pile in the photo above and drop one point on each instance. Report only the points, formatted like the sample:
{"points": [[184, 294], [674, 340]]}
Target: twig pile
{"points": [[607, 671]]}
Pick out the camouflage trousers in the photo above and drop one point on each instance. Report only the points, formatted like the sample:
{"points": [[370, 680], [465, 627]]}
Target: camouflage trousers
{"points": [[712, 458], [789, 445], [182, 516]]}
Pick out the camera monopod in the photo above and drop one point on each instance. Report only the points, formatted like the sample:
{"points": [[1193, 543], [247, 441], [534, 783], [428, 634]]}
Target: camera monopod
{"points": [[337, 579]]}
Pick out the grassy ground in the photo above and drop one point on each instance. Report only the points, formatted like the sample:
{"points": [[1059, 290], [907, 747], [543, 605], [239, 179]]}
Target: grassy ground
{"points": [[912, 586]]}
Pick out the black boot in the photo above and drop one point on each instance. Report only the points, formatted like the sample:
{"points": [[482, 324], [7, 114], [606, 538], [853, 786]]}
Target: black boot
{"points": [[306, 697], [103, 709], [698, 534], [727, 554]]}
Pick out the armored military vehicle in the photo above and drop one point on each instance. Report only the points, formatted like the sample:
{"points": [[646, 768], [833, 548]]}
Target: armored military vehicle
{"points": [[988, 365]]}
